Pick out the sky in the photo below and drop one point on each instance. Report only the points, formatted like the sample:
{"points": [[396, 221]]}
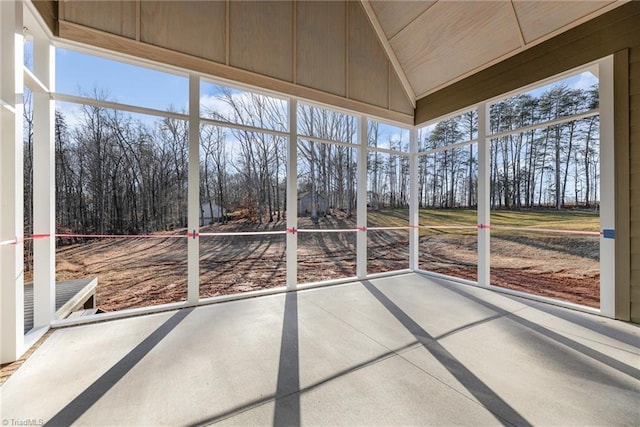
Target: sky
{"points": [[580, 81], [77, 73], [583, 80], [82, 74]]}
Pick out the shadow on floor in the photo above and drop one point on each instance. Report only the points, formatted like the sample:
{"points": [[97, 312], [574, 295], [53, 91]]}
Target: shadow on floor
{"points": [[78, 406], [287, 411], [485, 395], [548, 333]]}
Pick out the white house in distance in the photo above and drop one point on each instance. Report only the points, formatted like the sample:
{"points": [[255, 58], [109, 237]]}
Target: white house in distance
{"points": [[305, 203], [210, 212]]}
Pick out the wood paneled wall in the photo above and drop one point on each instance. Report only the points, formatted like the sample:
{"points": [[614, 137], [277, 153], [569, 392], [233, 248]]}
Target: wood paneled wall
{"points": [[622, 184], [321, 50], [616, 32], [321, 54], [261, 37], [634, 178], [48, 9], [368, 63], [162, 24], [115, 17]]}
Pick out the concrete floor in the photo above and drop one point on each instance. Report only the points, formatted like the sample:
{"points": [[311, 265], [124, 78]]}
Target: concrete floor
{"points": [[403, 350]]}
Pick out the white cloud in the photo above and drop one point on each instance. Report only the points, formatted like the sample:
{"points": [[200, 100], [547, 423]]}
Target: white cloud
{"points": [[212, 103], [217, 103]]}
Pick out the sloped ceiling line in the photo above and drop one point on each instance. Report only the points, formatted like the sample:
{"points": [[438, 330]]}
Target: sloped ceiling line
{"points": [[432, 44], [406, 85], [515, 16]]}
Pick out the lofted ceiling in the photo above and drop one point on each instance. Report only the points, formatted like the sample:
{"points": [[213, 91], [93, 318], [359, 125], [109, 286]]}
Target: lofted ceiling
{"points": [[433, 44], [333, 52]]}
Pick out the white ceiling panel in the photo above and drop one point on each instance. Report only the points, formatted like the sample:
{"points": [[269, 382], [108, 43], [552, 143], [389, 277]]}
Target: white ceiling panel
{"points": [[438, 43], [453, 38], [395, 15], [539, 18]]}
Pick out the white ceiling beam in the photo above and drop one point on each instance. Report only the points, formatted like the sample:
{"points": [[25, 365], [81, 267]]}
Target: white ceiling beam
{"points": [[389, 51]]}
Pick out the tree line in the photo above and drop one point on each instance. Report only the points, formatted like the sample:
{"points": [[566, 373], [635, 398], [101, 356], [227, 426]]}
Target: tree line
{"points": [[117, 173], [554, 166]]}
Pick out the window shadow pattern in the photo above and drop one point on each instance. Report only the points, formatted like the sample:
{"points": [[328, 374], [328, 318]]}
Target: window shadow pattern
{"points": [[557, 337], [81, 404], [485, 395]]}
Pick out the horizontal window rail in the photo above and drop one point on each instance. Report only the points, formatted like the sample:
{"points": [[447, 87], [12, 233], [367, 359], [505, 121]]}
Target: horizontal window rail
{"points": [[388, 151], [243, 233], [327, 230], [547, 230], [447, 147], [117, 106], [558, 121], [238, 126], [300, 230], [448, 227], [303, 138], [34, 83]]}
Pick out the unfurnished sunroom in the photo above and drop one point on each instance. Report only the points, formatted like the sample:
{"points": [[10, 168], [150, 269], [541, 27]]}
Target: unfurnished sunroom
{"points": [[430, 158]]}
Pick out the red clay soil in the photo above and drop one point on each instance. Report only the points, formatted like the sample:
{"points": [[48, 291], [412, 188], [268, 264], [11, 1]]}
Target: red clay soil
{"points": [[576, 290], [145, 272]]}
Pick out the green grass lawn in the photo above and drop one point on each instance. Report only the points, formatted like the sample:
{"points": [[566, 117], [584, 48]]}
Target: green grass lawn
{"points": [[563, 220]]}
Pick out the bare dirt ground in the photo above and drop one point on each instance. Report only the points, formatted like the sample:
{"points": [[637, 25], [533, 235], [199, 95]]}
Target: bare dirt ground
{"points": [[555, 266], [144, 272]]}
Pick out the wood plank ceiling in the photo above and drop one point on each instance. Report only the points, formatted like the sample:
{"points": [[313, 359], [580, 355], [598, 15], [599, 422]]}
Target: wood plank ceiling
{"points": [[436, 43], [333, 52]]}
